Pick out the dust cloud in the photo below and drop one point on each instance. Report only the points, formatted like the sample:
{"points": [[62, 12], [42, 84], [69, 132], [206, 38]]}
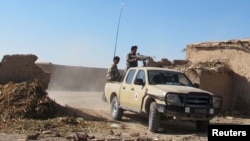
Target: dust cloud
{"points": [[73, 78]]}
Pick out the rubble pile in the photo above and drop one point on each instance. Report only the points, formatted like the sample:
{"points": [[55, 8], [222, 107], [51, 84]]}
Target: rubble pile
{"points": [[26, 100], [25, 108], [21, 67], [164, 62]]}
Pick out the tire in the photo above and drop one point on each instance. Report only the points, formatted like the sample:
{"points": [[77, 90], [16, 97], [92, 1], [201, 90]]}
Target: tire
{"points": [[202, 126], [115, 111], [154, 118]]}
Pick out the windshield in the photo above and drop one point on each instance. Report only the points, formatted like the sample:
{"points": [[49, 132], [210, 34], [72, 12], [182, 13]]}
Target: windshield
{"points": [[165, 77]]}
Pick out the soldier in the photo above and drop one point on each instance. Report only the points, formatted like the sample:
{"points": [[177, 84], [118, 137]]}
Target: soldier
{"points": [[132, 60], [113, 72]]}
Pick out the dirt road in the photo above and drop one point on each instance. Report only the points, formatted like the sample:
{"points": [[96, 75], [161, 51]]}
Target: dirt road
{"points": [[92, 102], [80, 99], [132, 126], [172, 130]]}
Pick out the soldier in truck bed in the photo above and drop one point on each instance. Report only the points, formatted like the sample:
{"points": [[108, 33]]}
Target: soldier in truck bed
{"points": [[113, 72]]}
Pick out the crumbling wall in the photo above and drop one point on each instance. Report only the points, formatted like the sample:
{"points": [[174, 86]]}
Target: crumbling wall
{"points": [[236, 53], [165, 63], [19, 68]]}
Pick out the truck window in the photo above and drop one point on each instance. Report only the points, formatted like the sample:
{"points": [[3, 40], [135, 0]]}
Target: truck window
{"points": [[141, 75], [168, 78], [183, 79], [130, 76]]}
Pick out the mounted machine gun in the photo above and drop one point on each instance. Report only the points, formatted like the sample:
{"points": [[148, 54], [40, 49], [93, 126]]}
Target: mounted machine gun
{"points": [[143, 58]]}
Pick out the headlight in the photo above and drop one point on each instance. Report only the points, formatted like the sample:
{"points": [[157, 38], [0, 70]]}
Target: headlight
{"points": [[217, 102], [174, 99]]}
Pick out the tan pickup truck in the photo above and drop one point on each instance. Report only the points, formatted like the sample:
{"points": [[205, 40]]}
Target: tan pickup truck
{"points": [[161, 92]]}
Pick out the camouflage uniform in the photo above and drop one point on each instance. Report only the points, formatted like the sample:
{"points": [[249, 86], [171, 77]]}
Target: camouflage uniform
{"points": [[113, 73]]}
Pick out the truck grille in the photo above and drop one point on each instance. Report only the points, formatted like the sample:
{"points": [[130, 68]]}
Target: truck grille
{"points": [[198, 100]]}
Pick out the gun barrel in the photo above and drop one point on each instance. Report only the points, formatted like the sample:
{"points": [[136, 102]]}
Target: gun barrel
{"points": [[143, 57]]}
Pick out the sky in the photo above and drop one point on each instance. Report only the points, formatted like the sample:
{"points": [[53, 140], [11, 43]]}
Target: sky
{"points": [[89, 33]]}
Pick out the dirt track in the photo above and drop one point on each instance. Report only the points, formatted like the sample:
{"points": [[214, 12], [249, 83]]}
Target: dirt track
{"points": [[132, 126], [172, 130], [91, 102], [80, 99]]}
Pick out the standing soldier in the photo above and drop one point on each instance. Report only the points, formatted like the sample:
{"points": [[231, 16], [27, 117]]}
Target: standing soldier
{"points": [[132, 60]]}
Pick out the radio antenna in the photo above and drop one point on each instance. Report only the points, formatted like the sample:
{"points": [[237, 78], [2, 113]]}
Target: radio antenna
{"points": [[118, 27]]}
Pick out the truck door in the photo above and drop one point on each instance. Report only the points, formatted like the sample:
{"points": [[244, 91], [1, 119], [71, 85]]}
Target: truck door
{"points": [[137, 92], [125, 89]]}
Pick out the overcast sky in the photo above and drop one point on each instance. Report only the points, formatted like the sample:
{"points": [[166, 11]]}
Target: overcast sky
{"points": [[84, 32]]}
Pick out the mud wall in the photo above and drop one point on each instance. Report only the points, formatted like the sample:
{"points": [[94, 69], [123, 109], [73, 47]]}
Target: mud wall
{"points": [[219, 82], [237, 55], [19, 68]]}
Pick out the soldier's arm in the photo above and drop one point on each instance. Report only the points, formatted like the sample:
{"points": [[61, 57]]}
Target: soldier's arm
{"points": [[131, 58]]}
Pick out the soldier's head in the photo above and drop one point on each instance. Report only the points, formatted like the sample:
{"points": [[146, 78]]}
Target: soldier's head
{"points": [[134, 49], [116, 59]]}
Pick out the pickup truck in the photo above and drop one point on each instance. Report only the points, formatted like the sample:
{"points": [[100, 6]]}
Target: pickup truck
{"points": [[161, 94]]}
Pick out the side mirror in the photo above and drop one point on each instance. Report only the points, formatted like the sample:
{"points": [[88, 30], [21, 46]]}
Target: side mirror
{"points": [[196, 85], [138, 81]]}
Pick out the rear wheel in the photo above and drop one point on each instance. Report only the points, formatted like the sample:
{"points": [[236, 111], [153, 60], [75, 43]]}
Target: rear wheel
{"points": [[116, 111], [154, 118], [202, 126]]}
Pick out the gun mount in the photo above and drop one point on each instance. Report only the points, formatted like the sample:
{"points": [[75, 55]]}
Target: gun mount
{"points": [[143, 57]]}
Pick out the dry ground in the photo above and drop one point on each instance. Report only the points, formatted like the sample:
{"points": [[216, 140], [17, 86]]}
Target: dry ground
{"points": [[97, 125], [83, 116]]}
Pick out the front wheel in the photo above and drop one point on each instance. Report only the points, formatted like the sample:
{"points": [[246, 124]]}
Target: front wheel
{"points": [[154, 118], [116, 111]]}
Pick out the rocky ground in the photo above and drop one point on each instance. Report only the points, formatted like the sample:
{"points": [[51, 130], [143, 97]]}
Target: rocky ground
{"points": [[98, 126], [27, 113]]}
